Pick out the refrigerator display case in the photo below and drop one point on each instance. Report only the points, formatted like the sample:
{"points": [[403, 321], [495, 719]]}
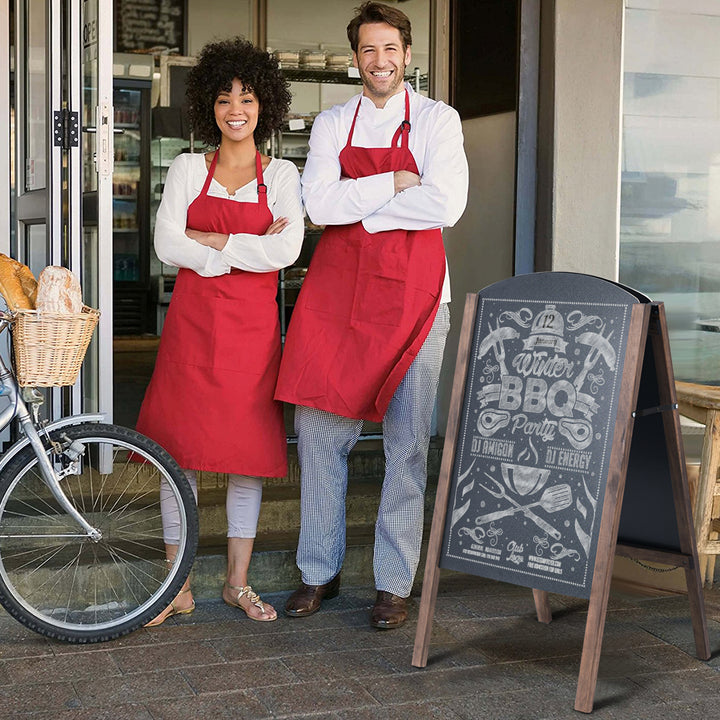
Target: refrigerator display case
{"points": [[131, 207]]}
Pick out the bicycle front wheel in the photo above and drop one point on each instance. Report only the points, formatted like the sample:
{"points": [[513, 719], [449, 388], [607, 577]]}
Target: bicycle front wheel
{"points": [[58, 581]]}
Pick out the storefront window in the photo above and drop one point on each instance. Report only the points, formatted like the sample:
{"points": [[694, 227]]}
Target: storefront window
{"points": [[670, 207]]}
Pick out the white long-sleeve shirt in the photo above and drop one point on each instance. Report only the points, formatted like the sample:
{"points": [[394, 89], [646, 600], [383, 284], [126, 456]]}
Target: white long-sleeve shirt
{"points": [[436, 143], [254, 253]]}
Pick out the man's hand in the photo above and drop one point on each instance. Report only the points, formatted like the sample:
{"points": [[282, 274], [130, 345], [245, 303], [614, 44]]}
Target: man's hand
{"points": [[405, 179], [213, 240]]}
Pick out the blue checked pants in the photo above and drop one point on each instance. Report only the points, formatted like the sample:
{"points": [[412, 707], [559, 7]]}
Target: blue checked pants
{"points": [[324, 441]]}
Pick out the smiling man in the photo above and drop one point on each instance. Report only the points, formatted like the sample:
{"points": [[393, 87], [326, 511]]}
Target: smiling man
{"points": [[386, 171]]}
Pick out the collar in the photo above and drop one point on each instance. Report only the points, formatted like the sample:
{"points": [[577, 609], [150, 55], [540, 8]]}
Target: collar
{"points": [[394, 104]]}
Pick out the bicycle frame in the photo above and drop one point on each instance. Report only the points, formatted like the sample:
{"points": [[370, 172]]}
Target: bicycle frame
{"points": [[18, 409]]}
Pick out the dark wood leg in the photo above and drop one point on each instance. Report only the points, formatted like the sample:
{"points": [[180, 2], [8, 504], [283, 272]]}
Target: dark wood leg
{"points": [[542, 606]]}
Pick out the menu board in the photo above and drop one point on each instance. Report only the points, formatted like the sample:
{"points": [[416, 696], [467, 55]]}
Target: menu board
{"points": [[144, 24], [536, 431]]}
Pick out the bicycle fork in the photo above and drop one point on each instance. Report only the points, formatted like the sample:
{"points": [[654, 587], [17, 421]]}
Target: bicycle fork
{"points": [[51, 478]]}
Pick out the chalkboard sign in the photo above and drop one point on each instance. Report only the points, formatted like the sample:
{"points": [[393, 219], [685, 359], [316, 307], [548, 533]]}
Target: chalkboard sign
{"points": [[555, 373], [144, 24], [536, 431]]}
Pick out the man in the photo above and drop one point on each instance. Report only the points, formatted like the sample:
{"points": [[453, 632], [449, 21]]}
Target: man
{"points": [[385, 172]]}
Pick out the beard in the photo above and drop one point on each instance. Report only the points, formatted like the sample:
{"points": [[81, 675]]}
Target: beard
{"points": [[380, 88]]}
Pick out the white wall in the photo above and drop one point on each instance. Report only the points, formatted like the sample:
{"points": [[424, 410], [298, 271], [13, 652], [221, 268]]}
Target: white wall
{"points": [[210, 20], [480, 247], [586, 136]]}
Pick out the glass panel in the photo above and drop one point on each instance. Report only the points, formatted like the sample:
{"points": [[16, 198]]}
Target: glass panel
{"points": [[91, 296], [90, 81], [37, 250], [36, 109], [670, 208], [126, 181]]}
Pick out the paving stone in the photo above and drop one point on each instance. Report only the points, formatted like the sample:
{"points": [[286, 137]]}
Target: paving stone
{"points": [[407, 711], [516, 705], [237, 675], [39, 697], [440, 657], [461, 681], [210, 707], [128, 711], [319, 696], [345, 664], [694, 685], [165, 657], [70, 668], [139, 687], [16, 641]]}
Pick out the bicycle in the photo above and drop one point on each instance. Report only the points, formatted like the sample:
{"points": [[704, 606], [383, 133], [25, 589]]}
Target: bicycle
{"points": [[82, 556]]}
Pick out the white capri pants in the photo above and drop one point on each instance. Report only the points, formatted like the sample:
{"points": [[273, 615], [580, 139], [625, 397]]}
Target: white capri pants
{"points": [[242, 505]]}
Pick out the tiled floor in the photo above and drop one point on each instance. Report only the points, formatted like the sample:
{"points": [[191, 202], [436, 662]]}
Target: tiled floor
{"points": [[489, 658]]}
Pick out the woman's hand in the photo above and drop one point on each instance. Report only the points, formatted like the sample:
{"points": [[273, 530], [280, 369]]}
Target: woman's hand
{"points": [[209, 239], [277, 227]]}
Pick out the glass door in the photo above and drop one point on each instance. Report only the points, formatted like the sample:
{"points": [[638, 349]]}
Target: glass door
{"points": [[94, 202], [62, 103]]}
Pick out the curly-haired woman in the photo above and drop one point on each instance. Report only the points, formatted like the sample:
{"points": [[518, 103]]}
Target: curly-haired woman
{"points": [[229, 219]]}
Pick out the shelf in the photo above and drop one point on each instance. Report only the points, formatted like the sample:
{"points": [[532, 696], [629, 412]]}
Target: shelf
{"points": [[319, 75], [338, 77]]}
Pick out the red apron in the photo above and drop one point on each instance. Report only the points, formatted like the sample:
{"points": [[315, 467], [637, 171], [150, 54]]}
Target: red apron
{"points": [[210, 401], [367, 303]]}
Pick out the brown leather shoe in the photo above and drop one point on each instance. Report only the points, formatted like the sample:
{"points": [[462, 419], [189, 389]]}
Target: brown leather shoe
{"points": [[307, 599], [390, 611]]}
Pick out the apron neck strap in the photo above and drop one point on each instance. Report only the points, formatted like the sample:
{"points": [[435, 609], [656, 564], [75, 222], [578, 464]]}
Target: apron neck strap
{"points": [[210, 172], [402, 133], [261, 186]]}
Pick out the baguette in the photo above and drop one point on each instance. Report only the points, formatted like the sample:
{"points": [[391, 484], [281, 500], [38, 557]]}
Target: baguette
{"points": [[58, 291], [17, 284]]}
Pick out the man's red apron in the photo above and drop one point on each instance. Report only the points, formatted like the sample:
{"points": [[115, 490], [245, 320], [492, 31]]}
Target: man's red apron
{"points": [[210, 401], [367, 303]]}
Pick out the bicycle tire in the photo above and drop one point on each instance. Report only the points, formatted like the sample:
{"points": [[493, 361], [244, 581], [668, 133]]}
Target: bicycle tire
{"points": [[58, 582]]}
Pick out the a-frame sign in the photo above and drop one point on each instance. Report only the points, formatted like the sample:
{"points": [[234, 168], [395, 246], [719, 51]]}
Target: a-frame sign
{"points": [[563, 447]]}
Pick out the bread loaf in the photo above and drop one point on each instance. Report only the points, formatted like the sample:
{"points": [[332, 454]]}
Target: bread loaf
{"points": [[17, 284], [58, 291]]}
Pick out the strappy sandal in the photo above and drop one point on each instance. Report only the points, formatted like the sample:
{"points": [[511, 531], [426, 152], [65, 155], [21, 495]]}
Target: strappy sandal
{"points": [[252, 597], [165, 614]]}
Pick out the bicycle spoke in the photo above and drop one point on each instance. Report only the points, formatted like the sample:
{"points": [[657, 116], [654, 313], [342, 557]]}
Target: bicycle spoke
{"points": [[58, 579]]}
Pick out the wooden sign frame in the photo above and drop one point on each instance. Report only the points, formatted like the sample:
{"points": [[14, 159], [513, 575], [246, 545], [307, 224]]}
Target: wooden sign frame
{"points": [[647, 334]]}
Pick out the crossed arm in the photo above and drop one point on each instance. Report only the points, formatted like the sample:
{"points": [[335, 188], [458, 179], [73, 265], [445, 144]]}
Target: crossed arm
{"points": [[391, 200], [213, 254]]}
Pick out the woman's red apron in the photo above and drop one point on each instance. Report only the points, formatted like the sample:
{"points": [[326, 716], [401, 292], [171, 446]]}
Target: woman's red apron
{"points": [[367, 303], [210, 401]]}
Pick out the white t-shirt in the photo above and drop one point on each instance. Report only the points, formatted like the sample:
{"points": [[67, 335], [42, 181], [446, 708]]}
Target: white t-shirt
{"points": [[436, 143], [254, 253]]}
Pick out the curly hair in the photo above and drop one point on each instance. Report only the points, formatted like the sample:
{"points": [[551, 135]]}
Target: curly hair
{"points": [[218, 64], [373, 12]]}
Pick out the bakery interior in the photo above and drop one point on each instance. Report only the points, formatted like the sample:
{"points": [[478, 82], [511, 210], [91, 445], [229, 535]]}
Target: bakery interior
{"points": [[153, 53]]}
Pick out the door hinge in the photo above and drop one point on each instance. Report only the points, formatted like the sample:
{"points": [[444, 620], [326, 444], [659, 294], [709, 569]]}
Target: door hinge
{"points": [[65, 129]]}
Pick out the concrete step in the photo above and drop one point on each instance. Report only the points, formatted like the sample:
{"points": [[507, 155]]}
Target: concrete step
{"points": [[273, 566]]}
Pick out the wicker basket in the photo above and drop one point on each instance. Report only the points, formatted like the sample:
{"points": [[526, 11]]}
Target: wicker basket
{"points": [[50, 347]]}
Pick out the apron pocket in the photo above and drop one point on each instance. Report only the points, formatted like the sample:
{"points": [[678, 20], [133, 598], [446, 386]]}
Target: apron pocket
{"points": [[379, 301]]}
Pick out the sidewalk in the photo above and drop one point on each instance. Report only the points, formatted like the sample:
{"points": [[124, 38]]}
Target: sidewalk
{"points": [[490, 658]]}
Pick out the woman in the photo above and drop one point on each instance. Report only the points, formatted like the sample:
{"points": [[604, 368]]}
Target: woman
{"points": [[229, 219]]}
